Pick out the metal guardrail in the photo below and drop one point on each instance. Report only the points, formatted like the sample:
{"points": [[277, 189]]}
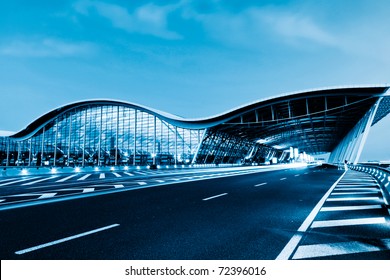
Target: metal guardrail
{"points": [[381, 175]]}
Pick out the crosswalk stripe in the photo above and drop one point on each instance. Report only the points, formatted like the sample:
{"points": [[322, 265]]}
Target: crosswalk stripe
{"points": [[355, 193], [102, 176], [348, 208], [353, 198], [40, 180], [356, 189], [127, 173], [47, 195], [348, 222], [66, 178], [18, 181], [84, 177], [116, 174], [341, 248]]}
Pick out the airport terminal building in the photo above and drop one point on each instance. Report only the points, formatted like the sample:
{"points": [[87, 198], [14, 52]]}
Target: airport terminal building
{"points": [[279, 129]]}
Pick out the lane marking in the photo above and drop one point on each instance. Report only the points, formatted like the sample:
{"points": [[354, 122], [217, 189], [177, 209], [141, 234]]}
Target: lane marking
{"points": [[102, 176], [341, 248], [262, 184], [356, 189], [116, 174], [66, 178], [350, 208], [129, 174], [353, 198], [47, 195], [297, 175], [348, 222], [356, 193], [160, 181], [87, 190], [142, 183], [215, 196], [119, 186], [19, 181], [40, 180], [28, 250], [290, 247], [282, 179], [1, 200], [84, 177]]}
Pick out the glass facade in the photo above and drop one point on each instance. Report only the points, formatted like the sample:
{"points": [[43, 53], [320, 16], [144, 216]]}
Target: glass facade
{"points": [[100, 135]]}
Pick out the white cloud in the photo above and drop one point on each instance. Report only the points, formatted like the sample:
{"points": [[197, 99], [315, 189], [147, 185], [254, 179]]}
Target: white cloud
{"points": [[252, 26], [149, 19], [46, 47]]}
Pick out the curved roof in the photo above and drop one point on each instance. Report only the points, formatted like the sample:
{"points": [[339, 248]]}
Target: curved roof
{"points": [[313, 120]]}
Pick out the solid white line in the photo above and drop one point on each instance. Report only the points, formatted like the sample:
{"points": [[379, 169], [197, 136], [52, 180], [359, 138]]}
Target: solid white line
{"points": [[348, 222], [47, 195], [102, 176], [352, 198], [41, 180], [215, 196], [355, 193], [262, 184], [290, 247], [66, 178], [349, 208], [64, 240], [116, 174], [281, 179], [84, 177], [127, 173], [341, 248]]}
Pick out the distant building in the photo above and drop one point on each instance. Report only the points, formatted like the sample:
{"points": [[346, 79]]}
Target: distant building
{"points": [[280, 129]]}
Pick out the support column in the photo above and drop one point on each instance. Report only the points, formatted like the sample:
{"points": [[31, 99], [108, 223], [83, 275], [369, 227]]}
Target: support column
{"points": [[55, 144], [154, 140], [42, 145], [135, 137], [367, 130], [116, 136], [69, 138]]}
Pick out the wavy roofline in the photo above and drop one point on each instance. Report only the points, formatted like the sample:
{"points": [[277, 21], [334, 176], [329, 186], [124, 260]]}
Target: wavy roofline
{"points": [[203, 122]]}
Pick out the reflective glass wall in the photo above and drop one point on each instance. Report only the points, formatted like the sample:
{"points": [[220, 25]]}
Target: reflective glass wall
{"points": [[103, 135]]}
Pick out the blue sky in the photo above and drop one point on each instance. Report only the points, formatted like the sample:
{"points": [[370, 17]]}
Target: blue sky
{"points": [[190, 58]]}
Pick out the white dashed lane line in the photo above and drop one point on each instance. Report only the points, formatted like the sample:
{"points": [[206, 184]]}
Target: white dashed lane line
{"points": [[52, 243], [282, 179], [215, 196], [259, 185], [102, 176]]}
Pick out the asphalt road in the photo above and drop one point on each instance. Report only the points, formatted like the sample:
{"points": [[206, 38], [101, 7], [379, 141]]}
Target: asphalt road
{"points": [[247, 216]]}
